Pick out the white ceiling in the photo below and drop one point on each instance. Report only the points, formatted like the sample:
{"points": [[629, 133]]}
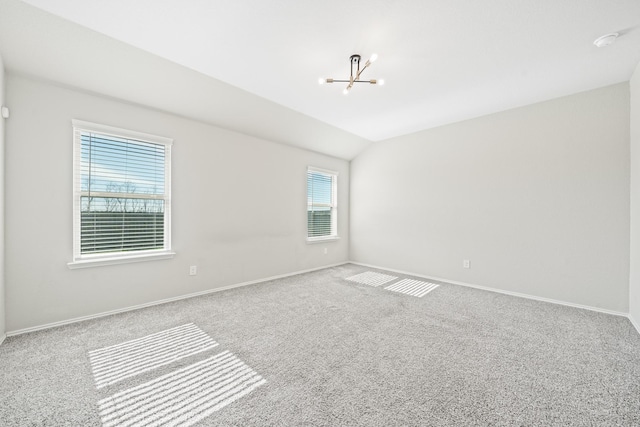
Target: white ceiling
{"points": [[442, 60]]}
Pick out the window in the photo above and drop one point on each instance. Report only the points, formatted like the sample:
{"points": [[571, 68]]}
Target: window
{"points": [[122, 195], [322, 215]]}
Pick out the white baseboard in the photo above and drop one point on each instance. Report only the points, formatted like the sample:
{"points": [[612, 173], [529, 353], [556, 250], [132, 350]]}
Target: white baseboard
{"points": [[634, 323], [163, 301], [253, 282], [501, 291], [2, 338]]}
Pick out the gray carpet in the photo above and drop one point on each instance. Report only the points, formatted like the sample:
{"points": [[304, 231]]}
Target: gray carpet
{"points": [[318, 350]]}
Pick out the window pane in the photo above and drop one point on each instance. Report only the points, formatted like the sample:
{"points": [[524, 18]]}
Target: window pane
{"points": [[319, 188], [319, 223], [112, 164], [119, 225]]}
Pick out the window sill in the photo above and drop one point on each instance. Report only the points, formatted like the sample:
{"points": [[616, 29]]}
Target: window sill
{"points": [[114, 260], [312, 240]]}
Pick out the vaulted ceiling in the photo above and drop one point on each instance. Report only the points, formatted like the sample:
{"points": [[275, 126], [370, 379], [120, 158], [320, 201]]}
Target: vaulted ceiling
{"points": [[254, 65]]}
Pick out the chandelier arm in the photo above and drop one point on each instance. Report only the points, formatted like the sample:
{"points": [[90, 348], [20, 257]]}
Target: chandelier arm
{"points": [[364, 68]]}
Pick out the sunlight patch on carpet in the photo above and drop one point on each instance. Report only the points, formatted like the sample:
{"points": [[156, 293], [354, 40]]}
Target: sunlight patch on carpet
{"points": [[184, 397], [125, 360], [412, 287], [371, 278]]}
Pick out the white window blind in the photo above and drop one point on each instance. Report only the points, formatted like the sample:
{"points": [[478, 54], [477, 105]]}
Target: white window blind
{"points": [[322, 218], [122, 193]]}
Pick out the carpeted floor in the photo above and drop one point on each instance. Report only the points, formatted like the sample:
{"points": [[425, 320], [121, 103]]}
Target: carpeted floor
{"points": [[319, 350]]}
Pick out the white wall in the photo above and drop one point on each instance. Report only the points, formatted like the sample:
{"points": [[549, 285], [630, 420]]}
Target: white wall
{"points": [[238, 209], [537, 198], [2, 127], [634, 279]]}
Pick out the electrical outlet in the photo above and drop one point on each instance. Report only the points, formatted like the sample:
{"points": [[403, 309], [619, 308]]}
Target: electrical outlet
{"points": [[325, 251], [193, 270], [465, 263]]}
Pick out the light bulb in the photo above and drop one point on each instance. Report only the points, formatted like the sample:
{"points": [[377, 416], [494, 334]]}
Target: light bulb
{"points": [[346, 91], [381, 82], [321, 81], [373, 57]]}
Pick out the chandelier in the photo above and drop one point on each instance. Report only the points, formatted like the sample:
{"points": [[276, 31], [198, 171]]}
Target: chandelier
{"points": [[355, 73]]}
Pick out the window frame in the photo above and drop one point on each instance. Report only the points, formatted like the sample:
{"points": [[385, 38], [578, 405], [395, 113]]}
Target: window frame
{"points": [[333, 205], [81, 260]]}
